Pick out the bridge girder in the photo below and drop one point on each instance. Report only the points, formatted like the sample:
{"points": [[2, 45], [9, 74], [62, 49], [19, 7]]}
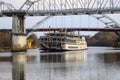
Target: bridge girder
{"points": [[71, 7], [72, 12]]}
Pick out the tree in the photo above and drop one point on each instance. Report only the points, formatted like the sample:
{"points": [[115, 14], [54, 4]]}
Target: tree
{"points": [[35, 41], [5, 40]]}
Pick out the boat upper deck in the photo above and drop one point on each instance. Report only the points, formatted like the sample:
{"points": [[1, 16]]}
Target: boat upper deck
{"points": [[63, 34]]}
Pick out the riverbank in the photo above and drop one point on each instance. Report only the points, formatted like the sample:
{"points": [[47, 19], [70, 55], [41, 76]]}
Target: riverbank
{"points": [[104, 39]]}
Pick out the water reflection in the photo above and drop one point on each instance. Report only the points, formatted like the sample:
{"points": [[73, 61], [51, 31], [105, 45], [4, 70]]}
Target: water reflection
{"points": [[96, 64], [19, 66], [69, 56], [5, 58], [29, 58], [112, 57]]}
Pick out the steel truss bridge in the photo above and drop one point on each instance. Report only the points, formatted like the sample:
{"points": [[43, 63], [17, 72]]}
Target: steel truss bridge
{"points": [[67, 7]]}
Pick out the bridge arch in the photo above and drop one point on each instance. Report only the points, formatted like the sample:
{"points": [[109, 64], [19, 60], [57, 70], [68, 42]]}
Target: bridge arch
{"points": [[74, 7], [104, 19], [110, 23]]}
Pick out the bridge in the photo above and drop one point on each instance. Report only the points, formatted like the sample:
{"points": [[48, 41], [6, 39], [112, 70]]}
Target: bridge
{"points": [[68, 7], [49, 8]]}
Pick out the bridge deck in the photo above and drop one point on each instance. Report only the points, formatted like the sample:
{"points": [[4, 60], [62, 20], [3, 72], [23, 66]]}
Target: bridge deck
{"points": [[79, 29], [67, 29]]}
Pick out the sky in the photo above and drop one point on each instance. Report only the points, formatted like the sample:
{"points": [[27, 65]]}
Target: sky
{"points": [[57, 21]]}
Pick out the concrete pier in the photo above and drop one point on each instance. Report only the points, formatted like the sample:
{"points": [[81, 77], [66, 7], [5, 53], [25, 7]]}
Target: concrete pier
{"points": [[19, 42]]}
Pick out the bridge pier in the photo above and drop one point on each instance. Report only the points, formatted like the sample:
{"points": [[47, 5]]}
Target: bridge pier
{"points": [[19, 42]]}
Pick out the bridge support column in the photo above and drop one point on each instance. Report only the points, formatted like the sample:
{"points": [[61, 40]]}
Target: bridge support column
{"points": [[19, 42]]}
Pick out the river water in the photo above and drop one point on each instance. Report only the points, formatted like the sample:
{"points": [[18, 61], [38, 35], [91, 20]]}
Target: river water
{"points": [[96, 63]]}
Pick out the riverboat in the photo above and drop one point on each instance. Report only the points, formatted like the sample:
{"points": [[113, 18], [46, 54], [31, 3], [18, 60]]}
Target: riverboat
{"points": [[62, 41]]}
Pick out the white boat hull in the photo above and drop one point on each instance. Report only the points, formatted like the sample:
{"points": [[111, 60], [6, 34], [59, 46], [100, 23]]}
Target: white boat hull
{"points": [[65, 47], [74, 47]]}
